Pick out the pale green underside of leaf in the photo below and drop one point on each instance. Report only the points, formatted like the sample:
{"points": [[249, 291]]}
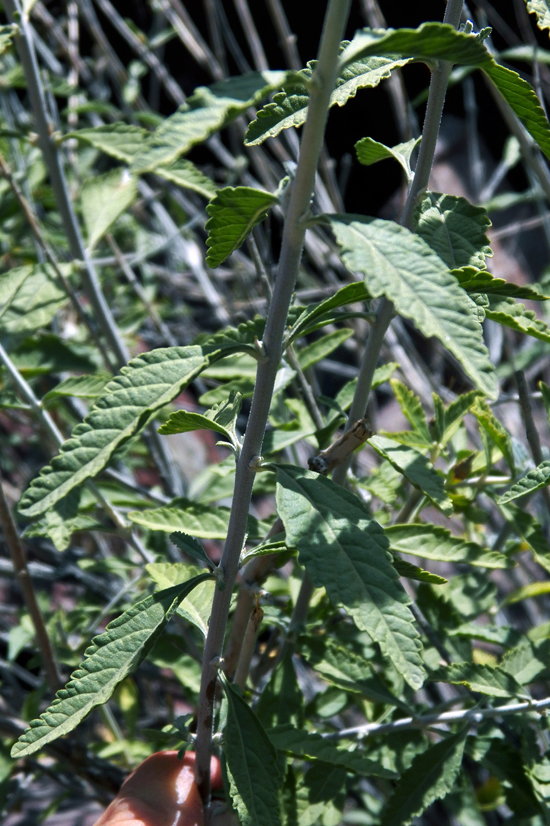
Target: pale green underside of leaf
{"points": [[345, 551], [125, 142], [6, 34], [233, 214], [400, 265], [370, 151], [416, 468], [350, 294], [430, 777], [438, 41], [79, 387], [195, 519], [485, 679], [252, 767], [496, 431], [542, 9], [515, 315], [436, 542], [312, 746], [480, 281], [103, 199], [346, 669], [410, 571], [322, 347], [209, 109], [290, 108], [527, 660], [532, 481], [183, 421], [109, 659], [197, 605], [144, 386], [454, 229]]}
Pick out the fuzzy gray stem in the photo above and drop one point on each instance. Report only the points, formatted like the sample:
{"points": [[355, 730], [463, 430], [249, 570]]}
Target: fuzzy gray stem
{"points": [[322, 85]]}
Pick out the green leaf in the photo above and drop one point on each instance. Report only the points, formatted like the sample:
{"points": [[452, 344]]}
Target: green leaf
{"points": [[197, 606], [109, 659], [60, 522], [400, 265], [78, 387], [416, 468], [350, 294], [184, 173], [118, 140], [430, 777], [252, 767], [206, 111], [454, 229], [233, 214], [346, 669], [6, 34], [532, 481], [530, 531], [514, 315], [496, 431], [195, 519], [10, 282], [103, 199], [439, 41], [281, 700], [322, 347], [480, 281], [289, 108], [527, 660], [436, 542], [35, 302], [191, 547], [130, 400], [345, 551], [429, 42], [542, 9], [410, 571], [301, 743], [534, 589], [412, 410], [485, 679], [370, 151], [221, 418]]}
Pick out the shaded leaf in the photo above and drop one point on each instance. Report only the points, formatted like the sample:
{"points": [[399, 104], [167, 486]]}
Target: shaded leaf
{"points": [[118, 140], [252, 767], [410, 571], [345, 551], [187, 175], [233, 214], [110, 658], [400, 265], [346, 669], [416, 468], [322, 347], [281, 701], [35, 302], [10, 282], [312, 746], [412, 409], [78, 387], [430, 777], [496, 431], [527, 660], [350, 294], [191, 547], [221, 418]]}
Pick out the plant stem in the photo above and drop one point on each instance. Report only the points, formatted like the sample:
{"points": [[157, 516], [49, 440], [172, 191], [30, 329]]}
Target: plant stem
{"points": [[19, 559], [52, 159], [322, 85], [470, 714], [385, 312]]}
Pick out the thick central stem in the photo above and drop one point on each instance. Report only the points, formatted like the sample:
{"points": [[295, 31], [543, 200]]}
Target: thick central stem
{"points": [[322, 84]]}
